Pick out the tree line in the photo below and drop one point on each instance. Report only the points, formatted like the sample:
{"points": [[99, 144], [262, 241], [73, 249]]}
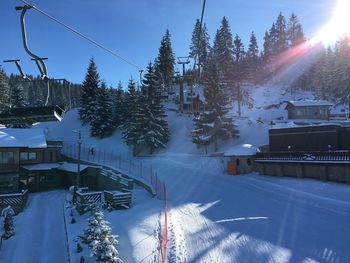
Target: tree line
{"points": [[15, 91], [139, 114], [329, 74]]}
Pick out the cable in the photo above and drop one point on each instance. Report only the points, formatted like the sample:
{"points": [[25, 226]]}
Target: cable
{"points": [[81, 35]]}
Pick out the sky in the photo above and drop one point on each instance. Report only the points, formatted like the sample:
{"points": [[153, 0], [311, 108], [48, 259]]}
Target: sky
{"points": [[133, 29]]}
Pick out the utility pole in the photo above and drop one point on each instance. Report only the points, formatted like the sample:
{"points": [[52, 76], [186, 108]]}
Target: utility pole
{"points": [[182, 61], [79, 151]]}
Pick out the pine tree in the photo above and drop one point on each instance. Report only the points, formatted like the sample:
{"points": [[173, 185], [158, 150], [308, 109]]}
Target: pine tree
{"points": [[134, 120], [89, 93], [4, 90], [281, 34], [252, 58], [200, 46], [8, 227], [166, 59], [155, 131], [99, 237], [295, 34], [214, 124], [17, 97], [102, 125], [223, 55], [119, 108]]}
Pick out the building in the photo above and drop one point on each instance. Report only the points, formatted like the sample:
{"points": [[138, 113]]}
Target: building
{"points": [[20, 147], [240, 159], [310, 138], [319, 152], [308, 109]]}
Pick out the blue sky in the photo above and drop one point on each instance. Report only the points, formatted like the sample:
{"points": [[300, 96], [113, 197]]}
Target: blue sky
{"points": [[134, 28]]}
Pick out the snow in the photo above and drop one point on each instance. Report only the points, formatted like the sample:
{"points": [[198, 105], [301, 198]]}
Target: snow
{"points": [[214, 217], [64, 166], [303, 103], [242, 149], [31, 138], [39, 232]]}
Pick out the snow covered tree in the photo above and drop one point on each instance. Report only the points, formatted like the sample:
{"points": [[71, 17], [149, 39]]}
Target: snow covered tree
{"points": [[119, 108], [200, 47], [134, 118], [4, 90], [8, 214], [102, 124], [295, 34], [17, 97], [166, 59], [223, 55], [89, 93], [99, 237], [252, 58], [214, 124], [155, 130]]}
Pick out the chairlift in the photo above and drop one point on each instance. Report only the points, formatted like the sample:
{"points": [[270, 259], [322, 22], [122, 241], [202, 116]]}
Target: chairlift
{"points": [[28, 116]]}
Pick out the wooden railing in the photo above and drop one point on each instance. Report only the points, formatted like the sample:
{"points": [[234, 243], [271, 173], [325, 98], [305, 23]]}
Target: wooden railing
{"points": [[329, 156], [16, 201], [118, 199], [124, 184], [84, 199]]}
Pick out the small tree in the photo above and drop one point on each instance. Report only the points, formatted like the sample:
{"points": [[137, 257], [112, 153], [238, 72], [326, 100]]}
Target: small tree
{"points": [[8, 214], [4, 90]]}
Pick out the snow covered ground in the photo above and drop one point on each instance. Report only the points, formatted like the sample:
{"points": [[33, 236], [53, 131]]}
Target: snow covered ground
{"points": [[214, 217], [39, 231]]}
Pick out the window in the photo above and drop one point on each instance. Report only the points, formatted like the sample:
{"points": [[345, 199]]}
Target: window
{"points": [[32, 155], [248, 162], [25, 156], [237, 162], [7, 158]]}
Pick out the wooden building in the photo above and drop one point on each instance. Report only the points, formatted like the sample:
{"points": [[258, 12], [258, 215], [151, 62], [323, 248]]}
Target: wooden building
{"points": [[310, 138], [22, 147], [308, 109]]}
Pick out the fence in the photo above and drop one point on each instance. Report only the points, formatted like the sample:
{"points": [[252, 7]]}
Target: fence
{"points": [[133, 168], [16, 201], [330, 156]]}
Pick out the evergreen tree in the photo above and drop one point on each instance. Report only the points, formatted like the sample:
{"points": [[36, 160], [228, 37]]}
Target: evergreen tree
{"points": [[134, 121], [166, 59], [89, 93], [295, 34], [281, 34], [199, 47], [8, 214], [119, 108], [17, 97], [253, 50], [267, 53], [102, 124], [214, 124], [4, 90], [223, 55], [238, 49], [155, 131]]}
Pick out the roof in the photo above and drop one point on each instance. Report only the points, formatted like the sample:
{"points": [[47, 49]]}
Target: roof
{"points": [[31, 138], [64, 166], [241, 150], [305, 103]]}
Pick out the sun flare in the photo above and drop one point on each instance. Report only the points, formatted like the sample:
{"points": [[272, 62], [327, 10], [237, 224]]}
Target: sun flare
{"points": [[338, 25]]}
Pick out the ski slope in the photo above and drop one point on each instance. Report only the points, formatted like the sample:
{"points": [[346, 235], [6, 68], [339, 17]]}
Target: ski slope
{"points": [[214, 217]]}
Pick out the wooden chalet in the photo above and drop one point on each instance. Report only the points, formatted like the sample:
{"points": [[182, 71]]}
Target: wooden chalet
{"points": [[308, 109], [22, 147]]}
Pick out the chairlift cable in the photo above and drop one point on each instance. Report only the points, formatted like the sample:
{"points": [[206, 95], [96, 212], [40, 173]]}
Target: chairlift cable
{"points": [[82, 35]]}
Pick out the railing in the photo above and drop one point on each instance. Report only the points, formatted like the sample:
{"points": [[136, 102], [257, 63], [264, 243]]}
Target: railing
{"points": [[84, 199], [16, 201], [329, 156], [130, 167]]}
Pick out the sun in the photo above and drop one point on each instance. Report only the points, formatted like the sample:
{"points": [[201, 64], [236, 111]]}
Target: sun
{"points": [[338, 25]]}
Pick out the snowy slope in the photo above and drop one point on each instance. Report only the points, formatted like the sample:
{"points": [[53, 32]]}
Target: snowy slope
{"points": [[214, 217]]}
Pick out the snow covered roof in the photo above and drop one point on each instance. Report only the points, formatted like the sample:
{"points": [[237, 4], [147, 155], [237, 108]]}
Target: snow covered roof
{"points": [[303, 103], [65, 166], [31, 138], [242, 150]]}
